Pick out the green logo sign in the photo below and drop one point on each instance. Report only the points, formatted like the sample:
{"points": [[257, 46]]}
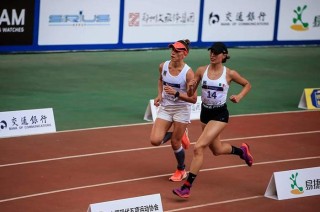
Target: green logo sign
{"points": [[295, 188], [298, 24]]}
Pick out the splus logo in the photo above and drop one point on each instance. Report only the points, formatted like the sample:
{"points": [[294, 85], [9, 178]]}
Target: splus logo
{"points": [[295, 188]]}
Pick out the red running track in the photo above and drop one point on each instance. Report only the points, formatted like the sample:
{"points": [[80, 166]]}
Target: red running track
{"points": [[68, 171]]}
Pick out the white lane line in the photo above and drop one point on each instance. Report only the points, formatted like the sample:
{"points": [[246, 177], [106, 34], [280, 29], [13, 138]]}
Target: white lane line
{"points": [[148, 123], [146, 178], [216, 203], [84, 155], [149, 148], [262, 163], [83, 187], [273, 135]]}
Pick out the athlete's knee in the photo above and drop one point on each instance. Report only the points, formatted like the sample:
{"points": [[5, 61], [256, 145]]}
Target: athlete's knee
{"points": [[175, 143], [198, 149], [155, 141]]}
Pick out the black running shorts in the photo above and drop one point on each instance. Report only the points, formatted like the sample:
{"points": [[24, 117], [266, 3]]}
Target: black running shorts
{"points": [[217, 114]]}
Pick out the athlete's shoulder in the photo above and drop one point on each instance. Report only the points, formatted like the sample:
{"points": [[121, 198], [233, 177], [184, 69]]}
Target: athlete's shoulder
{"points": [[202, 68], [163, 65], [186, 66], [232, 74], [229, 70]]}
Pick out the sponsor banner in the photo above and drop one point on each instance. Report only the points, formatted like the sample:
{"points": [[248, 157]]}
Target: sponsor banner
{"points": [[142, 203], [299, 20], [241, 20], [26, 122], [294, 184], [310, 99], [71, 22], [159, 21], [16, 22]]}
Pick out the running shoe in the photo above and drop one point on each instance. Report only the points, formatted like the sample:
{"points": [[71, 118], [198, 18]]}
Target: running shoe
{"points": [[185, 140], [182, 192], [246, 154], [179, 175]]}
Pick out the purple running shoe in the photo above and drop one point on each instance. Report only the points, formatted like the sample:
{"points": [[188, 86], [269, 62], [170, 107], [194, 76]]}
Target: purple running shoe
{"points": [[183, 193], [246, 154]]}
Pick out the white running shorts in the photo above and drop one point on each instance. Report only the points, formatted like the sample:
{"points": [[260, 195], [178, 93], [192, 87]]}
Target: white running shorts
{"points": [[175, 113]]}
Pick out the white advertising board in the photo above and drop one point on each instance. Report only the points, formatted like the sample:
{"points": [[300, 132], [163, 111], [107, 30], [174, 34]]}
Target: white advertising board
{"points": [[141, 203], [238, 20], [294, 184], [159, 21], [26, 122], [299, 20], [70, 22]]}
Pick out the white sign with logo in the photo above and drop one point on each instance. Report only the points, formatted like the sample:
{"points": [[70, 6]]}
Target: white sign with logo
{"points": [[151, 111], [299, 20], [148, 21], [142, 203], [26, 122], [67, 22], [241, 20], [294, 184]]}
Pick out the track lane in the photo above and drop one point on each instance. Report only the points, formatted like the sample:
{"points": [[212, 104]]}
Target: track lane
{"points": [[83, 171]]}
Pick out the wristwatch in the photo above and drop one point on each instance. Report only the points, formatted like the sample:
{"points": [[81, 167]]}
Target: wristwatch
{"points": [[176, 96]]}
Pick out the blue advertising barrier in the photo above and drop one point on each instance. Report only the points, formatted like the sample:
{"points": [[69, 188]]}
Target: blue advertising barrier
{"points": [[88, 25]]}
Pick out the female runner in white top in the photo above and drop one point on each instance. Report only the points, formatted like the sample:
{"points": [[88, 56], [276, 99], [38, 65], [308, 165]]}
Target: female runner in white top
{"points": [[174, 103], [215, 79]]}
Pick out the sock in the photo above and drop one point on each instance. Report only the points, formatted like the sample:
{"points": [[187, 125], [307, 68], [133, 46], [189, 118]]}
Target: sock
{"points": [[236, 151], [166, 137], [189, 181], [180, 156]]}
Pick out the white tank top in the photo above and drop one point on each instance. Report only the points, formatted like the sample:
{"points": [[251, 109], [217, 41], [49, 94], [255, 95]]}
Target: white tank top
{"points": [[179, 83], [214, 92]]}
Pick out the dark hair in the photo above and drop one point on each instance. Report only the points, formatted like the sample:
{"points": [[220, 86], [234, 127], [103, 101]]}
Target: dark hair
{"points": [[218, 48], [185, 42], [226, 58]]}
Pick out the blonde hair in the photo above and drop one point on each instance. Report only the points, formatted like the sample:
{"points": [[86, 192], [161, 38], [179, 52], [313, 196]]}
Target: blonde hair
{"points": [[185, 42]]}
